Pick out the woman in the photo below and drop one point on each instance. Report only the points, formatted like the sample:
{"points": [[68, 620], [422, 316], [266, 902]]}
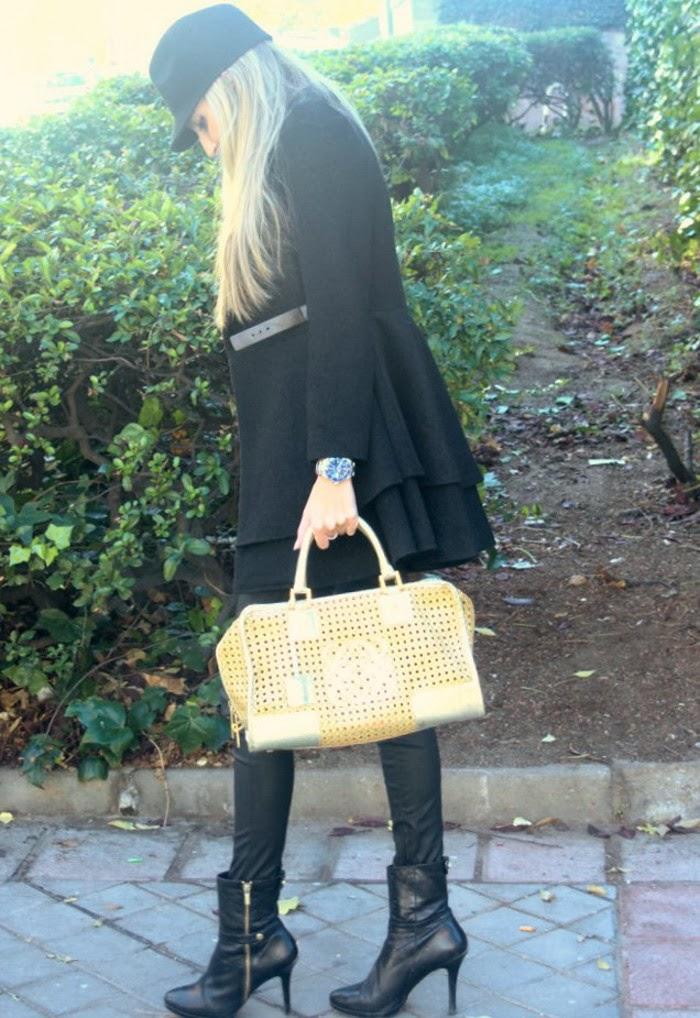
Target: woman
{"points": [[340, 405]]}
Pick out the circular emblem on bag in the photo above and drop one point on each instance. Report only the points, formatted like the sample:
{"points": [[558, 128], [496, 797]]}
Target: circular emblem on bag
{"points": [[359, 672]]}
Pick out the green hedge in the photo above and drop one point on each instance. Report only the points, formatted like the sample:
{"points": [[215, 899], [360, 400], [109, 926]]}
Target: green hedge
{"points": [[534, 15], [663, 101], [496, 61], [118, 467]]}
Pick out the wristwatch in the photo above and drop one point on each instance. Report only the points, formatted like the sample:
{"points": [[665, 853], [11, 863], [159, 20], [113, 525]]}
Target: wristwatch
{"points": [[335, 468]]}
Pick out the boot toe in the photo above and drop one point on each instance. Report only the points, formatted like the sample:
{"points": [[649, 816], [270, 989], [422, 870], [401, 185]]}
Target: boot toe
{"points": [[182, 1000], [346, 998]]}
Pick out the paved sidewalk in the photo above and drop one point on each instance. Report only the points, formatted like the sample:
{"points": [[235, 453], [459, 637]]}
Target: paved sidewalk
{"points": [[98, 922]]}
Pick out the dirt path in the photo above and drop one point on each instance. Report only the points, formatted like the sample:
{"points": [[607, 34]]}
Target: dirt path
{"points": [[613, 588], [614, 585]]}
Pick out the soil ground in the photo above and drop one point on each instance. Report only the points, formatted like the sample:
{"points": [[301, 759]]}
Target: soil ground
{"points": [[613, 587]]}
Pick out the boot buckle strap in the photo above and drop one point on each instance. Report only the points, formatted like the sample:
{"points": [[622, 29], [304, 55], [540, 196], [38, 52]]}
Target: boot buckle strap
{"points": [[250, 938]]}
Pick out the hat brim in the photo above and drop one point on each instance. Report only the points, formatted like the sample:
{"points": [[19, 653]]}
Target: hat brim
{"points": [[183, 136]]}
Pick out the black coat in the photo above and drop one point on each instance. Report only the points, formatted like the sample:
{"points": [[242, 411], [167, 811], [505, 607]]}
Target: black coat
{"points": [[358, 378]]}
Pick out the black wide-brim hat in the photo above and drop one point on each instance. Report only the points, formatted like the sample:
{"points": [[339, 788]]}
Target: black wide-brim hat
{"points": [[191, 55]]}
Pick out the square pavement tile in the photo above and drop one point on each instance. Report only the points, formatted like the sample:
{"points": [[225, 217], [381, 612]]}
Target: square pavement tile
{"points": [[675, 857], [371, 928], [16, 896], [363, 855], [557, 857], [561, 949], [337, 902], [11, 1007], [465, 901], [662, 975], [54, 921], [204, 902], [115, 901], [599, 926], [502, 926], [90, 854], [566, 904], [25, 963], [66, 993], [497, 971], [15, 845], [195, 948], [661, 912], [562, 997], [166, 921], [331, 948], [147, 974], [590, 971], [96, 947]]}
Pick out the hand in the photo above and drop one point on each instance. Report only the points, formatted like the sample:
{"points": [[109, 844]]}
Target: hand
{"points": [[330, 510]]}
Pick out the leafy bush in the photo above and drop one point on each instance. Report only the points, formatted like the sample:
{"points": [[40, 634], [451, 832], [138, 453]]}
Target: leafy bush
{"points": [[496, 62], [663, 101], [118, 468], [418, 119], [533, 15], [469, 333]]}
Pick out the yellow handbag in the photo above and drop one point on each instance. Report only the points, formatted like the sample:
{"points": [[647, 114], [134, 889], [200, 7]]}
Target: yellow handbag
{"points": [[354, 667]]}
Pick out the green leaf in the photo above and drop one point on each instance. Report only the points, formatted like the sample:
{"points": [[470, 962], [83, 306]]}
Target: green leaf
{"points": [[19, 554], [144, 711], [39, 756], [191, 729], [151, 413], [197, 546], [61, 626], [59, 535], [92, 767]]}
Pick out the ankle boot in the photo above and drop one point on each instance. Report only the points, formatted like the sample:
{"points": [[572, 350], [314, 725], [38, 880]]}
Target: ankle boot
{"points": [[423, 935], [253, 946]]}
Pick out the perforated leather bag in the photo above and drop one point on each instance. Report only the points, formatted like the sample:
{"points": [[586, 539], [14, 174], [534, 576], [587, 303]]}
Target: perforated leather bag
{"points": [[355, 667]]}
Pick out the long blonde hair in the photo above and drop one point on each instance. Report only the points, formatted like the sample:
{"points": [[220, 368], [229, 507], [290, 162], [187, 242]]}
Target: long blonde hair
{"points": [[250, 100]]}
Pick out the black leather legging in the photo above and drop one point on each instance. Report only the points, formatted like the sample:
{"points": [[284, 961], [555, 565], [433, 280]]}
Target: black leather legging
{"points": [[264, 781]]}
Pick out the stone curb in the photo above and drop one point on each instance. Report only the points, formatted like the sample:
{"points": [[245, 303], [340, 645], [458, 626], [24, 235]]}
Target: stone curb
{"points": [[576, 793]]}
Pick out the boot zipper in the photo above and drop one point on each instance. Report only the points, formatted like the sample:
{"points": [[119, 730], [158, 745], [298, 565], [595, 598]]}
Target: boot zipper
{"points": [[246, 929]]}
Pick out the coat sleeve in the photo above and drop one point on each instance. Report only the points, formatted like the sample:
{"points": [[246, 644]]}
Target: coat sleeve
{"points": [[330, 178]]}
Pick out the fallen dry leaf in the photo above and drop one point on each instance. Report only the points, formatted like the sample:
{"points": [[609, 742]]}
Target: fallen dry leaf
{"points": [[603, 964], [285, 905], [6, 817], [596, 889], [527, 929], [173, 683]]}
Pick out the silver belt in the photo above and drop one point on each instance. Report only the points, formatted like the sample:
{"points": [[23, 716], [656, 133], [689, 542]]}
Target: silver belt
{"points": [[263, 330]]}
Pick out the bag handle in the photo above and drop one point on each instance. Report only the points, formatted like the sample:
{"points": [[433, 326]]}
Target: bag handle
{"points": [[386, 570]]}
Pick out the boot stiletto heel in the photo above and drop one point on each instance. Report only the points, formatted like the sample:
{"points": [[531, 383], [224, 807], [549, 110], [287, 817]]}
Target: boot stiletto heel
{"points": [[452, 973], [284, 977]]}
